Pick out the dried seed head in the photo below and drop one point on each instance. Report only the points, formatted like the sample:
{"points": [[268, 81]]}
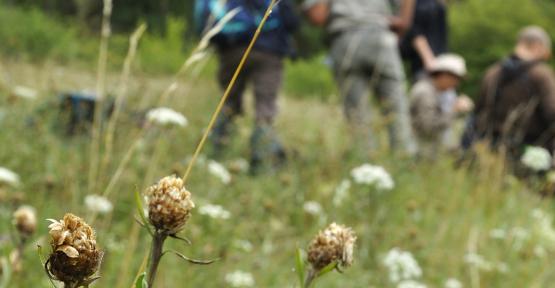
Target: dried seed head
{"points": [[169, 205], [25, 221], [334, 244], [75, 256]]}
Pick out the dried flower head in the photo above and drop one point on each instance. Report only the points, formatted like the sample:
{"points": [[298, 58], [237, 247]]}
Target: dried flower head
{"points": [[334, 244], [169, 205], [75, 256], [25, 221]]}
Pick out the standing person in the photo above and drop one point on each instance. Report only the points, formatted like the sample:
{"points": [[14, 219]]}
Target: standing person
{"points": [[365, 57], [263, 69], [516, 104], [435, 105], [427, 36]]}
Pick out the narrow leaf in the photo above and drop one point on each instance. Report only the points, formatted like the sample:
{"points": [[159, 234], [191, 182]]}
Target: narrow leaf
{"points": [[141, 211], [300, 265], [141, 281], [327, 269], [190, 260]]}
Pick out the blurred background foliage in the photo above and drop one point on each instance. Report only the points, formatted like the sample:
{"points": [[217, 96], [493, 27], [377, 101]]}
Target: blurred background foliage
{"points": [[61, 30]]}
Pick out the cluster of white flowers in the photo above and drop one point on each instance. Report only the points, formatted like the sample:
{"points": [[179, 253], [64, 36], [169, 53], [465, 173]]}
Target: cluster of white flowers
{"points": [[239, 279], [479, 262], [543, 227], [242, 244], [498, 233], [453, 283], [219, 171], [410, 284], [9, 177], [98, 204], [166, 116], [313, 208], [401, 266], [341, 192], [377, 176], [536, 158], [214, 211], [24, 92]]}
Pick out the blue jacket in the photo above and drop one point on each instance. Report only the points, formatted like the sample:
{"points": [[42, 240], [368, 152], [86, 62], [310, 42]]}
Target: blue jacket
{"points": [[275, 36]]}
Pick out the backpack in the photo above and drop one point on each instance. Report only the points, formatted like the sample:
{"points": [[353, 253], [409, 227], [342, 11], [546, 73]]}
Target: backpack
{"points": [[242, 26]]}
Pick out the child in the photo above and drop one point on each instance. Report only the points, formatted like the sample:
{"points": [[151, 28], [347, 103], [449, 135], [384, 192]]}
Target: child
{"points": [[434, 104]]}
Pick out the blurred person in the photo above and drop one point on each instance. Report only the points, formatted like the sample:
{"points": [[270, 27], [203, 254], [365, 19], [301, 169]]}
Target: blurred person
{"points": [[365, 56], [516, 104], [435, 105], [263, 69], [427, 36]]}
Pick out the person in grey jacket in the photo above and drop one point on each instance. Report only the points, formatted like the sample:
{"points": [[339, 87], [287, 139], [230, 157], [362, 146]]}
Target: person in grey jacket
{"points": [[364, 51]]}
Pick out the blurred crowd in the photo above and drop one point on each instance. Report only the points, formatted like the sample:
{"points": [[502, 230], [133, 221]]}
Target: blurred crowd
{"points": [[369, 42]]}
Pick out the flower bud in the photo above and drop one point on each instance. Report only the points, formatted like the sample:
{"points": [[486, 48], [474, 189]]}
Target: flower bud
{"points": [[334, 244], [169, 205], [75, 256], [25, 221]]}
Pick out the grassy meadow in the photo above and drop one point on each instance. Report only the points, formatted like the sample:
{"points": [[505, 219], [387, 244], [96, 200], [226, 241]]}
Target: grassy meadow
{"points": [[474, 223]]}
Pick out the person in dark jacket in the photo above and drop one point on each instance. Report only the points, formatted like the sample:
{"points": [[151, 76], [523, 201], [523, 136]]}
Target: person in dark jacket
{"points": [[516, 104], [427, 37], [263, 69]]}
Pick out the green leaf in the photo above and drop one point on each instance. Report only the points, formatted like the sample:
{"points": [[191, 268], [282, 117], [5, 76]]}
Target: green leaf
{"points": [[6, 275], [190, 260], [300, 265], [141, 211], [327, 269], [141, 281]]}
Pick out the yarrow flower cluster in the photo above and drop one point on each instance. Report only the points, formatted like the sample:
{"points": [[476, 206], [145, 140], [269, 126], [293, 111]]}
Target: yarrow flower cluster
{"points": [[341, 192], [98, 204], [377, 176], [75, 256], [9, 177], [536, 158], [453, 283], [169, 205], [214, 211], [219, 171], [312, 208], [24, 92], [166, 116], [334, 244], [239, 279], [401, 265], [543, 227], [25, 221]]}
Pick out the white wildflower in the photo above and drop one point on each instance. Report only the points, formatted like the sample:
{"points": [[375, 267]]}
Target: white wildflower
{"points": [[410, 284], [24, 92], [312, 208], [244, 245], [401, 265], [98, 204], [219, 171], [8, 177], [536, 158], [543, 227], [239, 279], [341, 192], [478, 261], [166, 116], [540, 251], [214, 211], [373, 175], [453, 283], [520, 236], [498, 233]]}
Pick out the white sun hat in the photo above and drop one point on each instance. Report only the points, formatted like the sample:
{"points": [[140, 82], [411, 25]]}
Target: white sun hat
{"points": [[450, 63]]}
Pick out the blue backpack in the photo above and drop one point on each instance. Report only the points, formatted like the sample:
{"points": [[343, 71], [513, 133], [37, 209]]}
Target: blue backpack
{"points": [[242, 26]]}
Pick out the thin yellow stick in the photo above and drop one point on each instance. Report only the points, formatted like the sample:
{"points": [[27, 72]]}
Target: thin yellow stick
{"points": [[228, 90]]}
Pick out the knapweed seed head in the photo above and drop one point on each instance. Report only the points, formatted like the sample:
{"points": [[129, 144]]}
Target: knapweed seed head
{"points": [[75, 256], [25, 221], [334, 244], [169, 205]]}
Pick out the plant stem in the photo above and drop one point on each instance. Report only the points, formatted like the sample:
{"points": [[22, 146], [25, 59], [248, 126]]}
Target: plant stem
{"points": [[310, 277], [155, 256]]}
